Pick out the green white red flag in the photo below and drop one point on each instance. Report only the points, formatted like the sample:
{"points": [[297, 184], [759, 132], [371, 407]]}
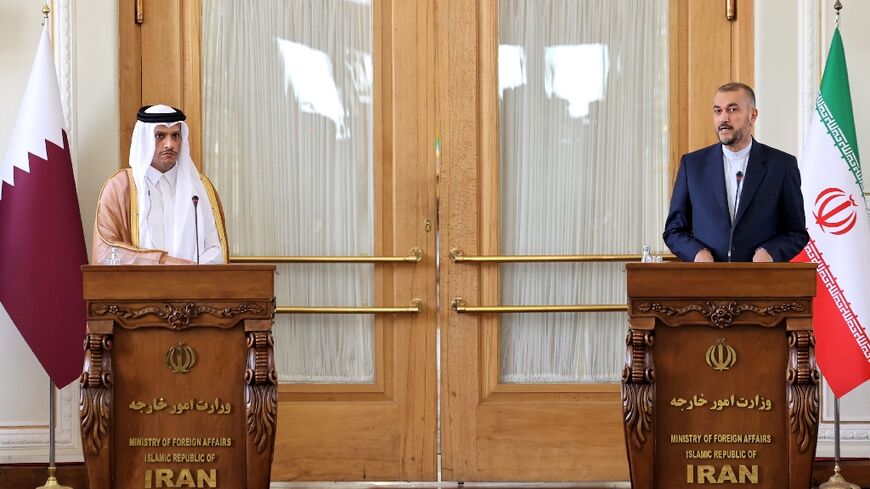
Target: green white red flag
{"points": [[839, 228]]}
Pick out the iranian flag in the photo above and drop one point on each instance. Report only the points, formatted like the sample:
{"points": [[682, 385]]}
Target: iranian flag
{"points": [[839, 229], [42, 246]]}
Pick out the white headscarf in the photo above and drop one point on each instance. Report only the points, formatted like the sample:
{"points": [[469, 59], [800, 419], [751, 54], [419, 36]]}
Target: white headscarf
{"points": [[187, 185]]}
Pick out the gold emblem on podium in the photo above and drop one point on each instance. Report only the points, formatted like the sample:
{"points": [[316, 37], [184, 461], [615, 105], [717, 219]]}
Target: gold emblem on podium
{"points": [[721, 357], [180, 358]]}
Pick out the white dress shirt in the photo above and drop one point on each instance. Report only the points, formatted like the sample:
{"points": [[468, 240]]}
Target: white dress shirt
{"points": [[734, 162]]}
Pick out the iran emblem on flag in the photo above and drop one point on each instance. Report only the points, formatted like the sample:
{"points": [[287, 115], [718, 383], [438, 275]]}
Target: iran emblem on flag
{"points": [[839, 228]]}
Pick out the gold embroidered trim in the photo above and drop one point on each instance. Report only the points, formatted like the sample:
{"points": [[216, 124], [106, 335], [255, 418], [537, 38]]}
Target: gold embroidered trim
{"points": [[134, 209], [218, 219]]}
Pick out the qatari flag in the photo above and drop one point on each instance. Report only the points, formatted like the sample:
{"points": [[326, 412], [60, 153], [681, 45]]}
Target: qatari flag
{"points": [[42, 246]]}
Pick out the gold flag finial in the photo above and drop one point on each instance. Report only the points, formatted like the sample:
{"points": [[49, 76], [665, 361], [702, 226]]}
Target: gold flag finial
{"points": [[45, 11], [838, 6]]}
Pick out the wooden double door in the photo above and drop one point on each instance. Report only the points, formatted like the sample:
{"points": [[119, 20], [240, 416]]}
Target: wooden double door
{"points": [[436, 406]]}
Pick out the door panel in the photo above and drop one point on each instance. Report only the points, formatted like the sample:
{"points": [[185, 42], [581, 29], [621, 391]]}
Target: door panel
{"points": [[160, 63], [706, 51], [383, 429], [493, 430]]}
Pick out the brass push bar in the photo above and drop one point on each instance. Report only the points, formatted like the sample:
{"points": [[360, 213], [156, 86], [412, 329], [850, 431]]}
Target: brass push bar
{"points": [[458, 256], [460, 306], [413, 256], [415, 307]]}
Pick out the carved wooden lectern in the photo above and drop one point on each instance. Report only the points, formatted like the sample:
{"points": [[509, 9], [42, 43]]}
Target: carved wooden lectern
{"points": [[179, 384], [720, 385]]}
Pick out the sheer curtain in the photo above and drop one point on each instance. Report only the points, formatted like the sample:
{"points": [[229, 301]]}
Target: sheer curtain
{"points": [[583, 162], [287, 128]]}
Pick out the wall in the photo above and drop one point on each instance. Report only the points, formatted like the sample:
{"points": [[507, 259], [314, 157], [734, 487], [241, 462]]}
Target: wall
{"points": [[792, 38], [86, 54]]}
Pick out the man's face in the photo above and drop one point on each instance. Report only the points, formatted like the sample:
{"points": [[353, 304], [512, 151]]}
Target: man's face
{"points": [[733, 118], [167, 144]]}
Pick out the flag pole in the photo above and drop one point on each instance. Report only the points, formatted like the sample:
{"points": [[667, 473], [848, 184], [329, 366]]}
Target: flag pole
{"points": [[52, 389], [52, 410], [837, 481]]}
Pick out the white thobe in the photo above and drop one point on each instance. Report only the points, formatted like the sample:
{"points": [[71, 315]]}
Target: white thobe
{"points": [[160, 217]]}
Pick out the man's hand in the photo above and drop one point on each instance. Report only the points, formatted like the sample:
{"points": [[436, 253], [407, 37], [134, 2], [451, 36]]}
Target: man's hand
{"points": [[761, 255], [704, 256], [171, 260]]}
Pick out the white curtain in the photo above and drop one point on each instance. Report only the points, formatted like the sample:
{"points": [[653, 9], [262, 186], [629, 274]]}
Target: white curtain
{"points": [[287, 131], [583, 162]]}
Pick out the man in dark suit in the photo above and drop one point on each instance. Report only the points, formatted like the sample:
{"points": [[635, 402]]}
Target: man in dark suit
{"points": [[738, 200]]}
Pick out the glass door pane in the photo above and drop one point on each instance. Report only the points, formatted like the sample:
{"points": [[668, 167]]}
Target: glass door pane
{"points": [[583, 111], [288, 140]]}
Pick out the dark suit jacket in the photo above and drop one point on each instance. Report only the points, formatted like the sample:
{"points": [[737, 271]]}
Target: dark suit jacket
{"points": [[770, 214]]}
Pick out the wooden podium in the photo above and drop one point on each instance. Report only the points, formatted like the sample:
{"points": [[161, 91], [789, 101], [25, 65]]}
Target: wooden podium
{"points": [[720, 385], [179, 384]]}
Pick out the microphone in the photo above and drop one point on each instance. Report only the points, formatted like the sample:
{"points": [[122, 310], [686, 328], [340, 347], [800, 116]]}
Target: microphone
{"points": [[739, 177], [148, 216], [195, 200]]}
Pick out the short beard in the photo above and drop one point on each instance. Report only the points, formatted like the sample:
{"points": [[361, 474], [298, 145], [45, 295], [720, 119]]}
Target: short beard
{"points": [[736, 135]]}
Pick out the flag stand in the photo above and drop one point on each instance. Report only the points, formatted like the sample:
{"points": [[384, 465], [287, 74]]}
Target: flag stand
{"points": [[52, 409], [837, 481], [39, 154]]}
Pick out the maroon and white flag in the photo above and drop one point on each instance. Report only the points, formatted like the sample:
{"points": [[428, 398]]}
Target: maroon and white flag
{"points": [[42, 246]]}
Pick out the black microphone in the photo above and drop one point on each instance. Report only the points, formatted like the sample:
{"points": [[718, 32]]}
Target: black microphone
{"points": [[148, 214], [195, 200], [739, 177]]}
